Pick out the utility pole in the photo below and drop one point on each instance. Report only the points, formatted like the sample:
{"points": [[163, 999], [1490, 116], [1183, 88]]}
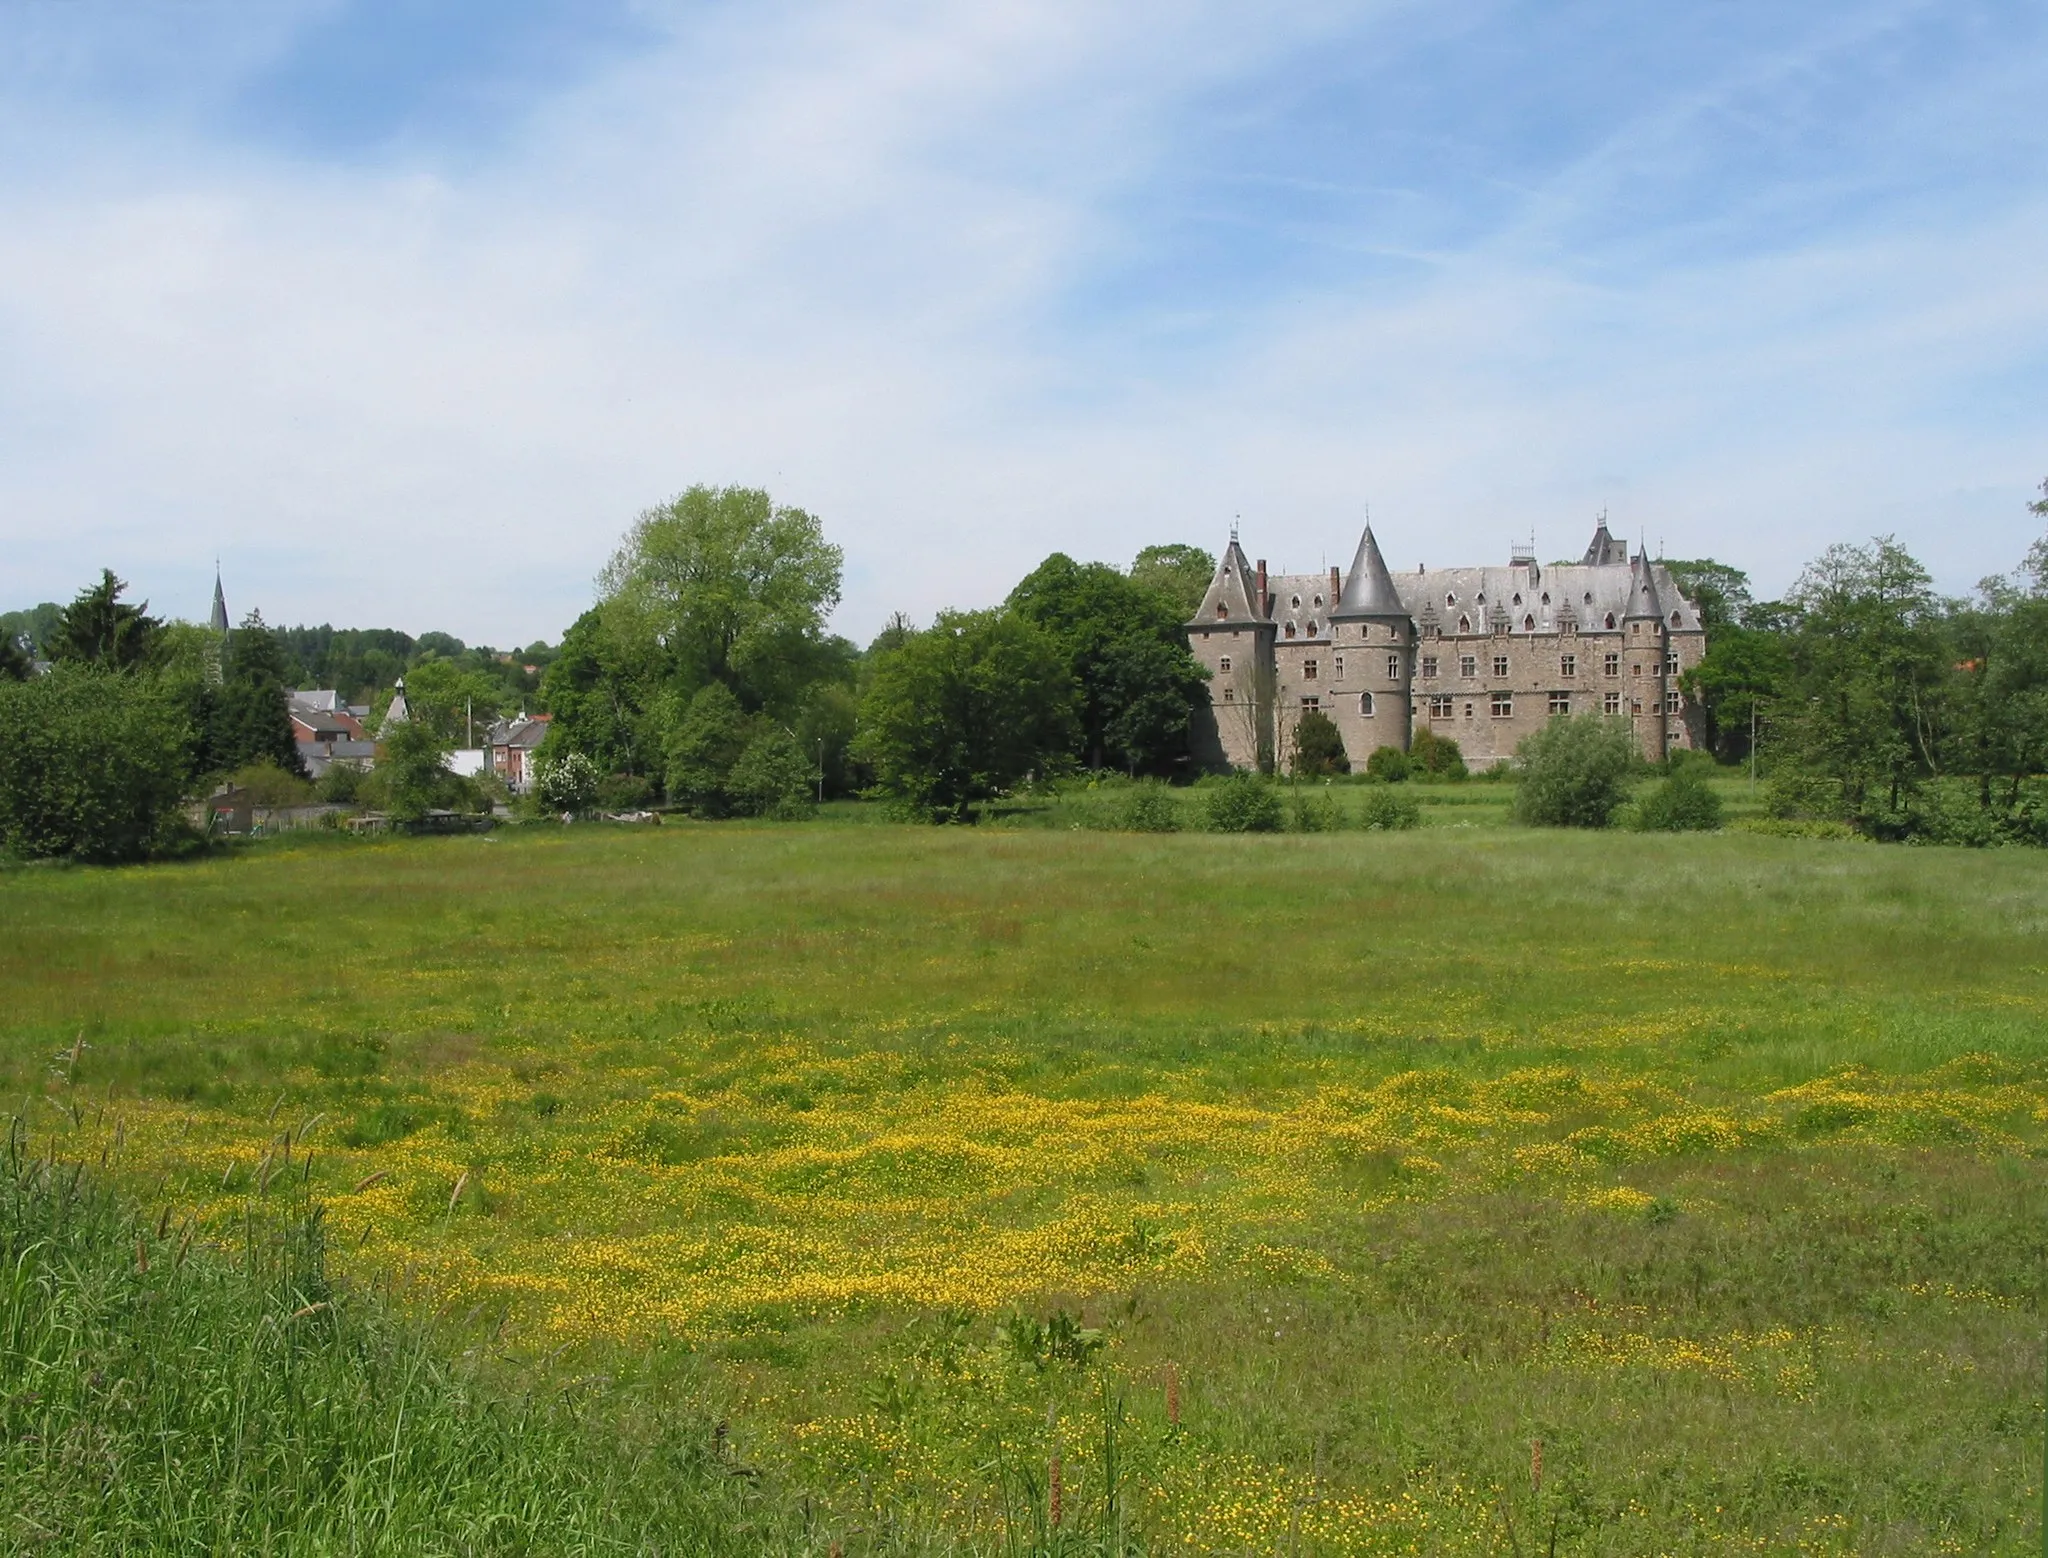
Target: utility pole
{"points": [[821, 770]]}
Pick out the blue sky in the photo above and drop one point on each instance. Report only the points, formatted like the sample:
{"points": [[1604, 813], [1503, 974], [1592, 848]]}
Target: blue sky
{"points": [[405, 309]]}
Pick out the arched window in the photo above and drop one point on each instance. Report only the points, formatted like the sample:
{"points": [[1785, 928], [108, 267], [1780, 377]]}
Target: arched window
{"points": [[1452, 600], [1528, 624], [1365, 703], [1297, 603], [1312, 625], [1518, 598], [1482, 597], [1674, 619], [1464, 624], [1546, 597], [1319, 603], [1290, 630], [1610, 622], [1222, 611], [1589, 597]]}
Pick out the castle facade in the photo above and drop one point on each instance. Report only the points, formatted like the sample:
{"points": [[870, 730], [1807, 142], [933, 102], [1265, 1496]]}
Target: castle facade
{"points": [[1484, 656]]}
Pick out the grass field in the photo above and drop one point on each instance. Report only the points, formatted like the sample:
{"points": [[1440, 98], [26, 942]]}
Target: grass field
{"points": [[921, 1156]]}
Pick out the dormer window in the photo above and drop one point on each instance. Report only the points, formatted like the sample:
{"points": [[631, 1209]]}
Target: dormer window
{"points": [[1222, 611], [1546, 597], [1290, 630], [1518, 600], [1589, 597], [1528, 624], [1452, 600], [1319, 602], [1297, 603], [1610, 622], [1674, 619], [1312, 624], [1464, 624], [1481, 597]]}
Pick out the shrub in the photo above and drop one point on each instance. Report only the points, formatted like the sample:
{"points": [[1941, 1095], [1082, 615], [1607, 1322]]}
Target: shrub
{"points": [[1389, 764], [342, 784], [1437, 756], [1242, 803], [568, 783], [772, 778], [1318, 747], [1389, 810], [92, 764], [1572, 772], [269, 785], [1312, 811], [624, 792], [1150, 808], [413, 774], [1683, 803]]}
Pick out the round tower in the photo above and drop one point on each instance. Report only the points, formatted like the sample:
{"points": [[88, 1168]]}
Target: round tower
{"points": [[1374, 641], [1644, 655]]}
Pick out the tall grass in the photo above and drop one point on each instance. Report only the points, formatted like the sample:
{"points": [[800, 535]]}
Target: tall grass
{"points": [[161, 1395]]}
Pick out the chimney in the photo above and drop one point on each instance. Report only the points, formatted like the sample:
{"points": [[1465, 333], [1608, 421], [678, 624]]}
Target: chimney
{"points": [[1259, 605], [1336, 589]]}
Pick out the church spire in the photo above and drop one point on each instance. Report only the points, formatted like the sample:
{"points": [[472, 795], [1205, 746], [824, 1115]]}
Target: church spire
{"points": [[219, 620]]}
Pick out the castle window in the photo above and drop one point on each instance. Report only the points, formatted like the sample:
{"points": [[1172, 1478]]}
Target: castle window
{"points": [[1429, 667], [1230, 695], [1500, 665], [1440, 708], [1560, 703], [1671, 703], [1308, 670], [1674, 619], [1339, 671], [1589, 597], [1481, 597], [1611, 704], [1610, 622], [1635, 670], [1365, 703], [1611, 665], [1290, 630], [1393, 668], [1297, 603], [1311, 701], [1311, 628], [1222, 611], [1223, 664], [1464, 624], [1568, 665], [1546, 597], [1468, 665], [1671, 663], [1468, 711], [1528, 624], [1503, 705], [1450, 600], [1517, 600], [1319, 602]]}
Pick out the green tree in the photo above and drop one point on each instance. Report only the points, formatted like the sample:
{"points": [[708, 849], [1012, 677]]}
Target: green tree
{"points": [[703, 746], [412, 770], [1859, 724], [1682, 803], [567, 784], [773, 777], [964, 710], [15, 665], [597, 702], [92, 764], [1389, 764], [99, 628], [723, 585], [32, 629], [1318, 747], [1437, 756], [1178, 573], [1573, 772], [1137, 686], [1721, 593], [460, 701], [248, 716], [1744, 675]]}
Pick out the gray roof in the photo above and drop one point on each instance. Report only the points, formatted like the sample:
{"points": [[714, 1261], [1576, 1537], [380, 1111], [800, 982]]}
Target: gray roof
{"points": [[1642, 587], [1232, 590], [1368, 589], [1604, 549]]}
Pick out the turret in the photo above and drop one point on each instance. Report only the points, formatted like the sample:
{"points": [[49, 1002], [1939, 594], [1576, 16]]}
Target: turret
{"points": [[1231, 633], [1644, 654], [1374, 639]]}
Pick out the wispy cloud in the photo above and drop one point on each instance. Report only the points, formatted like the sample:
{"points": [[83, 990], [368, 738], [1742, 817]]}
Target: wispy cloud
{"points": [[406, 321]]}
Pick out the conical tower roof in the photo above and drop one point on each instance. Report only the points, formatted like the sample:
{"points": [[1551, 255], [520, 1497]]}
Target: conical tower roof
{"points": [[219, 620], [1369, 589], [1229, 600], [1643, 600]]}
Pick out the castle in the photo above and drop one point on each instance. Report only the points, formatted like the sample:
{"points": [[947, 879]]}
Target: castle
{"points": [[1483, 656]]}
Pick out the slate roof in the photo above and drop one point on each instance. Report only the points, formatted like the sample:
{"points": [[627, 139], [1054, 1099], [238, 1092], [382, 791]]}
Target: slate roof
{"points": [[1231, 589], [1369, 589]]}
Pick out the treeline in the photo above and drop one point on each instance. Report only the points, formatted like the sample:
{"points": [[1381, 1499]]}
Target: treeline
{"points": [[135, 714], [1874, 701], [705, 676]]}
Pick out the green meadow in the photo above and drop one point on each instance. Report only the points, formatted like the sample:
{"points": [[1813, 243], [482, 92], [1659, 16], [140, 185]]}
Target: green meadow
{"points": [[1464, 1190]]}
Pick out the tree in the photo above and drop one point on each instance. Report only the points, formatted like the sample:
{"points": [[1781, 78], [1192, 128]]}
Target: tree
{"points": [[1744, 674], [248, 716], [15, 665], [1573, 772], [99, 628], [1720, 592], [1318, 747], [964, 710], [723, 585], [457, 700], [596, 702], [92, 764], [1179, 574], [567, 784], [1682, 803], [1137, 685], [412, 769], [702, 747], [773, 777], [1867, 671], [1389, 765], [1436, 756]]}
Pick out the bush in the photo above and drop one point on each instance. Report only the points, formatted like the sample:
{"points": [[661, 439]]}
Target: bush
{"points": [[624, 792], [1389, 810], [1437, 756], [1318, 747], [92, 765], [1312, 811], [1150, 808], [341, 785], [1242, 803], [1684, 803], [1573, 772], [1388, 764], [772, 778], [567, 784], [269, 785]]}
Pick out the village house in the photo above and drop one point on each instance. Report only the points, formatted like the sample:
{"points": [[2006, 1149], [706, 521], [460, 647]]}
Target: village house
{"points": [[512, 744]]}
